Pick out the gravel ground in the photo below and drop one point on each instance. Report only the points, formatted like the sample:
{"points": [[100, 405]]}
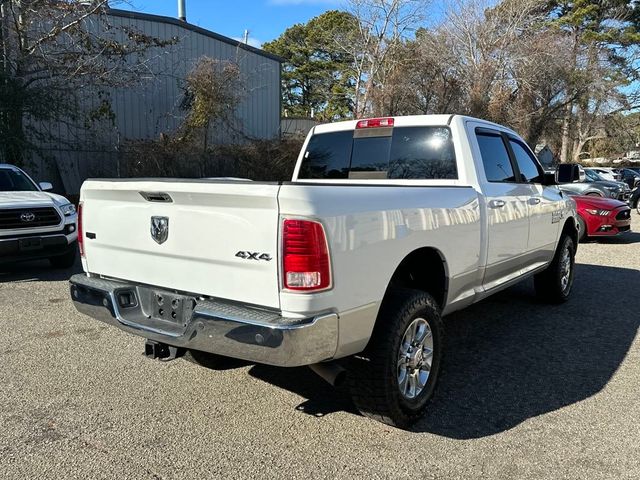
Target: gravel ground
{"points": [[527, 391]]}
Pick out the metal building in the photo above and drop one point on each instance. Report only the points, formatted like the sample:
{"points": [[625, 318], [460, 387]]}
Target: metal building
{"points": [[152, 108]]}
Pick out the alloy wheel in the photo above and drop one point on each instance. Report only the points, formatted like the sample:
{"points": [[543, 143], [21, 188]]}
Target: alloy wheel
{"points": [[415, 357], [565, 269]]}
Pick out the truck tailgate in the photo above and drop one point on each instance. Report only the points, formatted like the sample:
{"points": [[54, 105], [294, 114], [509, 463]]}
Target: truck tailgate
{"points": [[209, 223]]}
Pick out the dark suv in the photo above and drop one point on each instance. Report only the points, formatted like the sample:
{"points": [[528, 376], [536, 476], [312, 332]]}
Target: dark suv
{"points": [[630, 177]]}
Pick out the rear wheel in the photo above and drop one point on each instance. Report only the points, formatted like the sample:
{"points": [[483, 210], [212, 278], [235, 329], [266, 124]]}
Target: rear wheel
{"points": [[66, 260], [394, 378], [554, 284]]}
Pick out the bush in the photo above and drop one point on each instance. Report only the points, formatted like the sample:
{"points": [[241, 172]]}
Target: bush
{"points": [[272, 160]]}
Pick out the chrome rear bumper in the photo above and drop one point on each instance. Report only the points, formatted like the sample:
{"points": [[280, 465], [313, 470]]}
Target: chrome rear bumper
{"points": [[223, 328]]}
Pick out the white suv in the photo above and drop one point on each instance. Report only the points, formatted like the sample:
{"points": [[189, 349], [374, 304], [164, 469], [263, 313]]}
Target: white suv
{"points": [[34, 223]]}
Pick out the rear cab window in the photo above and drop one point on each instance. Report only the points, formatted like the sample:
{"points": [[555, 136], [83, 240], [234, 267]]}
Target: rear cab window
{"points": [[409, 153], [328, 155]]}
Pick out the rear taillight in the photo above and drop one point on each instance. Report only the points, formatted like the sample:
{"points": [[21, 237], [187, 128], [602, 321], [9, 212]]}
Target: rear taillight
{"points": [[305, 256], [375, 123], [80, 232]]}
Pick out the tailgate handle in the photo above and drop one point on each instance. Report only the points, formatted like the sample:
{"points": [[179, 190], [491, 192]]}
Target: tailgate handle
{"points": [[156, 197]]}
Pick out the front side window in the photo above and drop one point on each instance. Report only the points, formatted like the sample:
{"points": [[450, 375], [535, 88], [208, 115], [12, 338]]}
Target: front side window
{"points": [[529, 170], [495, 158], [15, 181]]}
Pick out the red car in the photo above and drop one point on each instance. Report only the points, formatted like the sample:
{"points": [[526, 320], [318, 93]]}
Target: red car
{"points": [[601, 217]]}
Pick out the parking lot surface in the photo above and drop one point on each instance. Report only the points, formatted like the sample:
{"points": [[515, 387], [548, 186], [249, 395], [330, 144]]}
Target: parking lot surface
{"points": [[527, 391]]}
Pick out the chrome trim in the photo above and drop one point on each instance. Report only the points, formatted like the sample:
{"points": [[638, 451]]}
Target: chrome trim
{"points": [[238, 331]]}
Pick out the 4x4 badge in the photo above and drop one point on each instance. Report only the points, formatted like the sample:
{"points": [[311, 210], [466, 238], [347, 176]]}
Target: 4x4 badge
{"points": [[254, 256], [160, 229]]}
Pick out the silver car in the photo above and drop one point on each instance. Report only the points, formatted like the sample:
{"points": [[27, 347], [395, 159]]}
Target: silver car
{"points": [[594, 184]]}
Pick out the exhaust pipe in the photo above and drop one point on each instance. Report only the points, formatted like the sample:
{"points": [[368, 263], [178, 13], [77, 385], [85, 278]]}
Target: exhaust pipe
{"points": [[182, 10], [333, 373]]}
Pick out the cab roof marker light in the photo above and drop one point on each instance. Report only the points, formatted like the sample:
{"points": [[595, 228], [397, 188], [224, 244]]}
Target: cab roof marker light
{"points": [[375, 123]]}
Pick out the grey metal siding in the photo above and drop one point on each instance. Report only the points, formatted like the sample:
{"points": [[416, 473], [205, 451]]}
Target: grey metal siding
{"points": [[146, 110]]}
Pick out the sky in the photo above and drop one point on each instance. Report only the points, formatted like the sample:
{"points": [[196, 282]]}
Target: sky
{"points": [[265, 19]]}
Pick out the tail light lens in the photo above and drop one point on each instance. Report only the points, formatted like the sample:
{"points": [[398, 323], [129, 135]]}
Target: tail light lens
{"points": [[80, 231], [305, 256]]}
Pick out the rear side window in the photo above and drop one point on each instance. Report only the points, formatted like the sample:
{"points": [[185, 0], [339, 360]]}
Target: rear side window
{"points": [[413, 153], [497, 165]]}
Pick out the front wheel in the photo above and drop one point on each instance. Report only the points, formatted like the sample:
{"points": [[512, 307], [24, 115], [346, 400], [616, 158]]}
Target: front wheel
{"points": [[553, 285], [394, 378]]}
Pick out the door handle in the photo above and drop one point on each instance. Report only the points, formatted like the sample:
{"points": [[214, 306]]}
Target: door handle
{"points": [[534, 201], [496, 204]]}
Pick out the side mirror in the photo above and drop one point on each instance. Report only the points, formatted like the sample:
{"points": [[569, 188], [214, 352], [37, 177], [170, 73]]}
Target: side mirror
{"points": [[567, 173], [44, 186], [549, 178]]}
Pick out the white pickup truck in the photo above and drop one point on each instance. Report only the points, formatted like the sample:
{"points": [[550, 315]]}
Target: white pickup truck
{"points": [[34, 224], [387, 224]]}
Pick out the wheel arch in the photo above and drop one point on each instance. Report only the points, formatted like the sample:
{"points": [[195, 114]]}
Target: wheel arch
{"points": [[570, 228], [423, 269]]}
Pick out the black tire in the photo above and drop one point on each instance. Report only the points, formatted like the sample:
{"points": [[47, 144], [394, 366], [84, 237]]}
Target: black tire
{"points": [[582, 229], [373, 374], [549, 283], [66, 260]]}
